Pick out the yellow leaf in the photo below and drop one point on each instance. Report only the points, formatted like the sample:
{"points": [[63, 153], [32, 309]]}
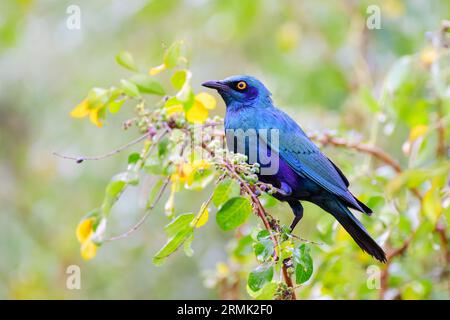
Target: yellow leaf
{"points": [[81, 110], [85, 230], [197, 113], [155, 70], [88, 250], [202, 216], [177, 108], [417, 132], [93, 116], [207, 100]]}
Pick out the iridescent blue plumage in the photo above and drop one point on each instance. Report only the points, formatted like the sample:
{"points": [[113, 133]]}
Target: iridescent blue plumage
{"points": [[304, 172]]}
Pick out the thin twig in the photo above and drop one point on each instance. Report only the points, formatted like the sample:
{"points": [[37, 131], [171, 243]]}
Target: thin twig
{"points": [[144, 217], [442, 145], [365, 148], [80, 159], [305, 240], [372, 150]]}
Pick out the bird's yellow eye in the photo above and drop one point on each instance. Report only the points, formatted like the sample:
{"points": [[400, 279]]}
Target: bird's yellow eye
{"points": [[241, 85]]}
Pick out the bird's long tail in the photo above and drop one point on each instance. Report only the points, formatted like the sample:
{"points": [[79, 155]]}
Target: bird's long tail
{"points": [[354, 228]]}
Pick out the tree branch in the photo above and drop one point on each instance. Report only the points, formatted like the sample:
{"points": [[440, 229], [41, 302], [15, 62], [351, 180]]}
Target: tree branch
{"points": [[375, 151], [80, 159]]}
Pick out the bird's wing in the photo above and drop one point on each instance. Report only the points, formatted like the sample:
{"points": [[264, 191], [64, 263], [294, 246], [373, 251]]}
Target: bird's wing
{"points": [[306, 159]]}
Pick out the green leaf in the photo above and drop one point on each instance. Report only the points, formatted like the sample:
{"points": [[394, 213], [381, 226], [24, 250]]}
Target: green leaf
{"points": [[97, 97], [200, 179], [244, 247], [147, 84], [180, 223], [125, 59], [179, 78], [303, 264], [233, 213], [113, 190], [129, 88], [268, 291], [172, 245], [114, 106], [187, 246], [259, 277], [134, 157], [179, 231], [163, 147], [172, 56], [172, 101], [264, 247], [225, 190]]}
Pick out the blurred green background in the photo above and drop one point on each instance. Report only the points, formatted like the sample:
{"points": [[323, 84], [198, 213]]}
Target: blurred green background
{"points": [[315, 56]]}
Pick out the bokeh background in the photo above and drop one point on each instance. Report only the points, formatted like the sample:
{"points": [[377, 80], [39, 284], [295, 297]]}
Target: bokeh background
{"points": [[315, 56]]}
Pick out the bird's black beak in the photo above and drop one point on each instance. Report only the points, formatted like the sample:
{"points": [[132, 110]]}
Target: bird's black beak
{"points": [[215, 84]]}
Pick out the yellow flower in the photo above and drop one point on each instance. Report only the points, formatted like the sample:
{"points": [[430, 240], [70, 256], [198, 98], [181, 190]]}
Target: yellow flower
{"points": [[84, 232], [200, 164], [88, 250], [198, 113], [81, 110], [155, 70], [177, 108], [84, 109], [207, 100], [195, 166], [182, 173]]}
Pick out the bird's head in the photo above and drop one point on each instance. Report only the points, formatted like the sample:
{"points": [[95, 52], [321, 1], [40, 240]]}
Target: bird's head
{"points": [[240, 89]]}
